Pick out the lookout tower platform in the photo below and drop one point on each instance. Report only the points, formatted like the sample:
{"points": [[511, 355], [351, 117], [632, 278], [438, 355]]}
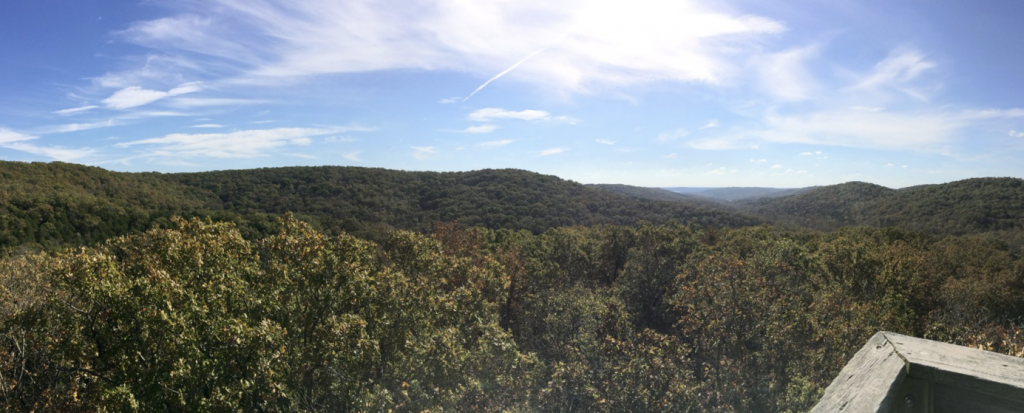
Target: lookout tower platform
{"points": [[894, 373]]}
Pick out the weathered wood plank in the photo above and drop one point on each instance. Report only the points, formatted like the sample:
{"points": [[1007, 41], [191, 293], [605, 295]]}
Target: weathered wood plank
{"points": [[953, 399], [983, 372], [869, 381]]}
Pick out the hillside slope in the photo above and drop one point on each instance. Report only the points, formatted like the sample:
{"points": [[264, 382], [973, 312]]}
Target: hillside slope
{"points": [[59, 204], [53, 204], [971, 206], [357, 199]]}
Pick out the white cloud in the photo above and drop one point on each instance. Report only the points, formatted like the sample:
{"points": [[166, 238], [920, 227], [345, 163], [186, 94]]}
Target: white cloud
{"points": [[72, 111], [450, 100], [423, 152], [238, 144], [492, 144], [19, 141], [1015, 134], [352, 156], [553, 151], [188, 103], [480, 129], [8, 136], [899, 67], [672, 135], [991, 114], [75, 127], [489, 114], [134, 96], [604, 141], [777, 166], [758, 161], [301, 155], [806, 154], [576, 45], [916, 131], [342, 139], [711, 124], [890, 165], [720, 171], [184, 88], [208, 125], [784, 74]]}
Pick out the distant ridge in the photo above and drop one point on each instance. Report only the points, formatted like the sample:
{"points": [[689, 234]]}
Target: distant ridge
{"points": [[60, 204], [970, 206], [731, 194]]}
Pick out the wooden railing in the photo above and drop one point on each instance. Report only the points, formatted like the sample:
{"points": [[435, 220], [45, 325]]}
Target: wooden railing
{"points": [[901, 374]]}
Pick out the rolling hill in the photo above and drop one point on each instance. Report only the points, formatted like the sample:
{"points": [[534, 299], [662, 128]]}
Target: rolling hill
{"points": [[971, 206], [59, 204]]}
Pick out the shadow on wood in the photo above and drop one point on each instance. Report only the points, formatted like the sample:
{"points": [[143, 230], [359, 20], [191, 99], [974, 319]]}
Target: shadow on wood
{"points": [[902, 374]]}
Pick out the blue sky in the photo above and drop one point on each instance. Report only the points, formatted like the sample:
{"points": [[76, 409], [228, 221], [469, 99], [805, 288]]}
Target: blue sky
{"points": [[651, 93]]}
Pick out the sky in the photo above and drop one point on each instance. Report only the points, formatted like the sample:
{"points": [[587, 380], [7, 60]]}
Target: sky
{"points": [[649, 93]]}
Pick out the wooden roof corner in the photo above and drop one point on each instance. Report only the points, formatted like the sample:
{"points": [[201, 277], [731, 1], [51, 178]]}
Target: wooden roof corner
{"points": [[898, 373]]}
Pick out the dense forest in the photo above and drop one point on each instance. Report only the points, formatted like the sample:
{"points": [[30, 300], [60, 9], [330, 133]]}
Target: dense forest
{"points": [[59, 204], [991, 206], [353, 289]]}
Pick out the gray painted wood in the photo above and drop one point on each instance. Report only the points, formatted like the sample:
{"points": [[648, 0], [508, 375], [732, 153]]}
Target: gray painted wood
{"points": [[953, 399], [976, 370], [946, 377], [869, 381]]}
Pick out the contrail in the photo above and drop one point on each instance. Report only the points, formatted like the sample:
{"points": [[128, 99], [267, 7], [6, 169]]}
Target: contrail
{"points": [[505, 72]]}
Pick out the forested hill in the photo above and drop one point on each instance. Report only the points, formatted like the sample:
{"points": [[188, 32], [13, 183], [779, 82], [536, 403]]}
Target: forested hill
{"points": [[971, 206], [54, 204], [59, 204], [361, 199], [655, 194]]}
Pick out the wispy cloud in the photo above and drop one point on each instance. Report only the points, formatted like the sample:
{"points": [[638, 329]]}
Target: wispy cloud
{"points": [[134, 96], [721, 171], [189, 103], [589, 45], [480, 129], [238, 144], [492, 144], [352, 156], [75, 127], [8, 136], [785, 75], [301, 155], [490, 114], [450, 100], [711, 124], [553, 151], [673, 135], [72, 111], [1015, 134], [339, 139], [423, 152], [919, 131], [21, 142], [900, 67], [604, 141], [208, 125]]}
